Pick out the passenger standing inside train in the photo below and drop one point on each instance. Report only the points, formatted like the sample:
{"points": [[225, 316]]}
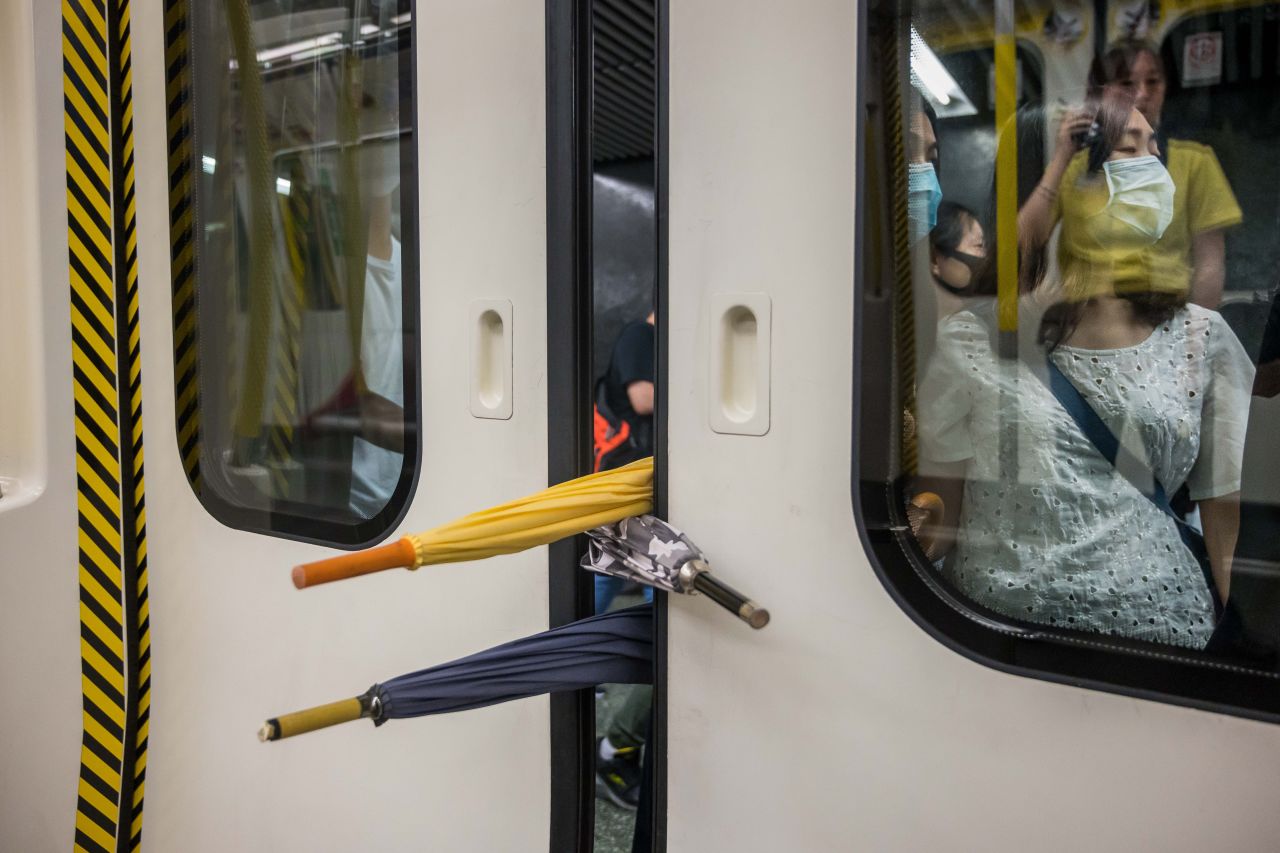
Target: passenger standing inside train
{"points": [[1055, 533], [924, 202], [377, 453], [1189, 255], [624, 418], [623, 434], [957, 255], [1250, 630], [924, 192]]}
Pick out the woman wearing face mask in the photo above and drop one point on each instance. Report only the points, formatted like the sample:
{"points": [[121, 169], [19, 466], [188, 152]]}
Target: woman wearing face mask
{"points": [[1189, 256], [957, 252], [924, 193], [1054, 533]]}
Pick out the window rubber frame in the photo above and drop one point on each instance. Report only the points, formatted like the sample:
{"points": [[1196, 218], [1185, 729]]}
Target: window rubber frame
{"points": [[1097, 662], [287, 519]]}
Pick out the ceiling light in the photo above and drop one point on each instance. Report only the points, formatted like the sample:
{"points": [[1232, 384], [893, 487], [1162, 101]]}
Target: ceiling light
{"points": [[298, 47], [925, 67]]}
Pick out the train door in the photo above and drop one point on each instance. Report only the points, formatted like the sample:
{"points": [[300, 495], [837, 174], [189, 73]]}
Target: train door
{"points": [[323, 227], [879, 710], [437, 113], [38, 493]]}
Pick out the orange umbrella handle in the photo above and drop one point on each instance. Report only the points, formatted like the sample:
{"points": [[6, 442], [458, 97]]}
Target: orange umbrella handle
{"points": [[396, 555]]}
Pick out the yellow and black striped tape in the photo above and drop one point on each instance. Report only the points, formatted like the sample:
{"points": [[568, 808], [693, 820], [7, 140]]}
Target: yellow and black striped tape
{"points": [[904, 312], [107, 387], [182, 236]]}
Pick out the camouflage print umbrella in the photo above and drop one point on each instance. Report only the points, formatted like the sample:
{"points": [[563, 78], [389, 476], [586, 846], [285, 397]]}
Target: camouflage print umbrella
{"points": [[650, 551]]}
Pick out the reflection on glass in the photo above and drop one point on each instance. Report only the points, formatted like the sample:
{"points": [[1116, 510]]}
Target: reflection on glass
{"points": [[1080, 305], [301, 139], [625, 364]]}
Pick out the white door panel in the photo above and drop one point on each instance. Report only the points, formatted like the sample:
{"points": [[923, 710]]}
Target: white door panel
{"points": [[234, 643], [843, 725], [39, 620]]}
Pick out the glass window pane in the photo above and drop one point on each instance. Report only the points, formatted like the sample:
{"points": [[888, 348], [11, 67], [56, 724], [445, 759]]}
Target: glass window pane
{"points": [[1069, 251], [301, 392]]}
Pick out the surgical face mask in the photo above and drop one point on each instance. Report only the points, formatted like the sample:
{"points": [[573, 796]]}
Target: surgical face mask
{"points": [[924, 194], [1141, 197], [973, 262]]}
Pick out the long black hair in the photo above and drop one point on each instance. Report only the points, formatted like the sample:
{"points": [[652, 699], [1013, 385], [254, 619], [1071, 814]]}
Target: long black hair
{"points": [[953, 223], [1028, 131]]}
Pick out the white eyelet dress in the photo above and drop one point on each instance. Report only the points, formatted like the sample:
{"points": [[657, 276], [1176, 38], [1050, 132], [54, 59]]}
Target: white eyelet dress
{"points": [[1050, 532]]}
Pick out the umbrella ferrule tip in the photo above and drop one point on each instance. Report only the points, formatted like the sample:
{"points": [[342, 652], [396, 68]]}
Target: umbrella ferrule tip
{"points": [[753, 614]]}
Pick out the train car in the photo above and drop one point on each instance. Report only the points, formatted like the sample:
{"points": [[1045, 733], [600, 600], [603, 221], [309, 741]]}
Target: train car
{"points": [[290, 279]]}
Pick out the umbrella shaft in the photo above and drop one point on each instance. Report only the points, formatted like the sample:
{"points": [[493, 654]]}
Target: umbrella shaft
{"points": [[732, 600]]}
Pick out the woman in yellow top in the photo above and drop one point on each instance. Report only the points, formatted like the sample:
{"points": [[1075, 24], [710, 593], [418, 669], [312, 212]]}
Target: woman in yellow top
{"points": [[1189, 257]]}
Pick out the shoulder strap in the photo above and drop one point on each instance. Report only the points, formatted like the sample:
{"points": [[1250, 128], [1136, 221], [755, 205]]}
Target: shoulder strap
{"points": [[1089, 422], [1094, 429], [1101, 437]]}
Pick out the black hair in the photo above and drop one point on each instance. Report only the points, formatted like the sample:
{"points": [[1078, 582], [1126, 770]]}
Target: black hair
{"points": [[931, 116], [1111, 118], [953, 223], [1152, 307], [1028, 131], [1117, 64]]}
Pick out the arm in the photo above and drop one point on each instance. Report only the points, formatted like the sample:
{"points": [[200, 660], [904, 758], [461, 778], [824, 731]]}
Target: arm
{"points": [[937, 534], [381, 422], [1220, 518], [1208, 267], [640, 395], [1036, 217]]}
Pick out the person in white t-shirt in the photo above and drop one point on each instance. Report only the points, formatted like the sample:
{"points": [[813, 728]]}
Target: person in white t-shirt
{"points": [[377, 455]]}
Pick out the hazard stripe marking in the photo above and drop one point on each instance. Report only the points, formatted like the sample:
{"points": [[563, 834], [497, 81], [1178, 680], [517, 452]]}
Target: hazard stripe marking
{"points": [[102, 272], [181, 238]]}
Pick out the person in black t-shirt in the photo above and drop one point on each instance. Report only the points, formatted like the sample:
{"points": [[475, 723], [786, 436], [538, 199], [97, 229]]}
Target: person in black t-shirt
{"points": [[1249, 630], [629, 382], [623, 434], [624, 399]]}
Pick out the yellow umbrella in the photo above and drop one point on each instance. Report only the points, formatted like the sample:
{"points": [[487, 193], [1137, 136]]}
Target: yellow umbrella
{"points": [[572, 507]]}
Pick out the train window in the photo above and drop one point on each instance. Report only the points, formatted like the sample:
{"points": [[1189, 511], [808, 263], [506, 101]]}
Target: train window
{"points": [[293, 195], [1066, 466]]}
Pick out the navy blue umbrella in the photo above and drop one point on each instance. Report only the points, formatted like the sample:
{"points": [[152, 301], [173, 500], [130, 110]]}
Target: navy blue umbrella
{"points": [[612, 648]]}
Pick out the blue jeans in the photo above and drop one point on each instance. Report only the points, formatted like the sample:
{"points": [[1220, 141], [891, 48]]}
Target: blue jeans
{"points": [[607, 586]]}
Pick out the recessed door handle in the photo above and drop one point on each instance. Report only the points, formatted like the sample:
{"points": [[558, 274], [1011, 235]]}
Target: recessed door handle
{"points": [[739, 386], [490, 324]]}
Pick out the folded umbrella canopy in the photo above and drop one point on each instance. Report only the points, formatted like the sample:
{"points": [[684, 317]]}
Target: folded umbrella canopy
{"points": [[612, 648], [650, 551], [562, 510]]}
